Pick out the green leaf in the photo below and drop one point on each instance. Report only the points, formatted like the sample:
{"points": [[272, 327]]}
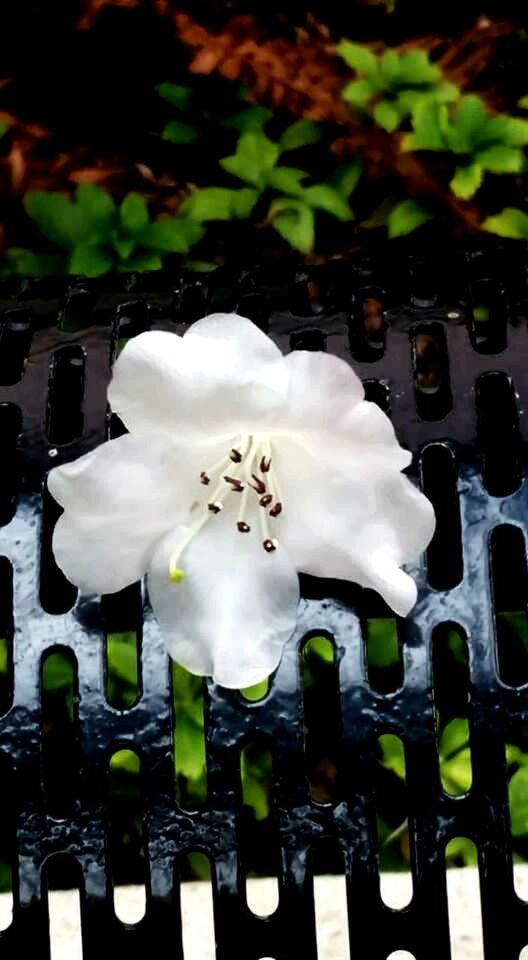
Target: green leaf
{"points": [[460, 848], [141, 262], [466, 180], [4, 127], [383, 646], [408, 100], [501, 159], [389, 66], [430, 121], [199, 266], [324, 197], [518, 795], [387, 116], [219, 203], [174, 235], [509, 222], [97, 208], [287, 180], [321, 648], [470, 118], [523, 103], [133, 213], [415, 69], [57, 217], [253, 160], [175, 94], [302, 133], [508, 130], [58, 672], [178, 132], [393, 757], [294, 220], [347, 176], [256, 774], [89, 260], [26, 263], [454, 738], [189, 752], [243, 202], [124, 246], [405, 217], [358, 93], [445, 92], [257, 691], [250, 119], [358, 57], [456, 773]]}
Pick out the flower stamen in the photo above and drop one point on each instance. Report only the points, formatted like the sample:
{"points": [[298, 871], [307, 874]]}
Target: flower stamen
{"points": [[235, 483], [270, 545], [266, 500], [259, 486], [265, 464]]}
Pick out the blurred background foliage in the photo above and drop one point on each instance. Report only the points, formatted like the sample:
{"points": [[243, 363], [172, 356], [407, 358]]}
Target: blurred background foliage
{"points": [[138, 133]]}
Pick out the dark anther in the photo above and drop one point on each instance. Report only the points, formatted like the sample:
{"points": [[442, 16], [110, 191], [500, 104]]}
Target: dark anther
{"points": [[204, 478], [235, 483], [265, 465], [274, 512], [243, 526], [214, 507], [235, 456], [266, 500], [269, 545], [259, 486]]}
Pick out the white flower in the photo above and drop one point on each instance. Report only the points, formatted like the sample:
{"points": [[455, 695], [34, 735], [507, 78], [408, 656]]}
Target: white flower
{"points": [[241, 468]]}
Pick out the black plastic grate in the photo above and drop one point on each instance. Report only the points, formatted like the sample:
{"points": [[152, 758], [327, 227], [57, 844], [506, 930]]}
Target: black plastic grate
{"points": [[424, 337]]}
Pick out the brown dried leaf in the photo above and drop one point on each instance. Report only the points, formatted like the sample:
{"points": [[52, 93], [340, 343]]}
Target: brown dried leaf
{"points": [[92, 9]]}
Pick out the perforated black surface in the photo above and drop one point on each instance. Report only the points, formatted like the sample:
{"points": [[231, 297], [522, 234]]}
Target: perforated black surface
{"points": [[448, 358]]}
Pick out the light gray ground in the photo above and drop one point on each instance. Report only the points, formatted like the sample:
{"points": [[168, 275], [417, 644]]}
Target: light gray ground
{"points": [[197, 914]]}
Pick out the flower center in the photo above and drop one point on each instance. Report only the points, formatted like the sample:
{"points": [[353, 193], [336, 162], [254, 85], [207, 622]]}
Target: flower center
{"points": [[247, 471]]}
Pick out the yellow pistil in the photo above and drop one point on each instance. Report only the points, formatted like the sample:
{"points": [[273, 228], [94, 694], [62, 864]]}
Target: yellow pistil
{"points": [[176, 574]]}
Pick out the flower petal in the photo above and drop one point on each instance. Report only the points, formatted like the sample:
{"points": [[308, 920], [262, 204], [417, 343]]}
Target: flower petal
{"points": [[222, 377], [360, 526], [322, 389], [325, 409], [236, 608], [119, 500]]}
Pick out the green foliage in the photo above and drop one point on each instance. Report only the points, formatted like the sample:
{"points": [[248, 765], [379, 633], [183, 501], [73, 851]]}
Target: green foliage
{"points": [[405, 217], [193, 119], [219, 203], [487, 142], [96, 235], [389, 87], [257, 161], [509, 222]]}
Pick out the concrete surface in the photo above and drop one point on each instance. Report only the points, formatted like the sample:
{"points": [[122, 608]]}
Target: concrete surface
{"points": [[262, 894]]}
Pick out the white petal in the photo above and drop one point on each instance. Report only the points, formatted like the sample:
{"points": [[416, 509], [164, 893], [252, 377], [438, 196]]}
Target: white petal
{"points": [[119, 500], [326, 410], [223, 377], [361, 526], [236, 608], [323, 389]]}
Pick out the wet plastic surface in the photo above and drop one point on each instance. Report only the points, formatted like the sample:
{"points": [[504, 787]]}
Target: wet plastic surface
{"points": [[424, 337]]}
